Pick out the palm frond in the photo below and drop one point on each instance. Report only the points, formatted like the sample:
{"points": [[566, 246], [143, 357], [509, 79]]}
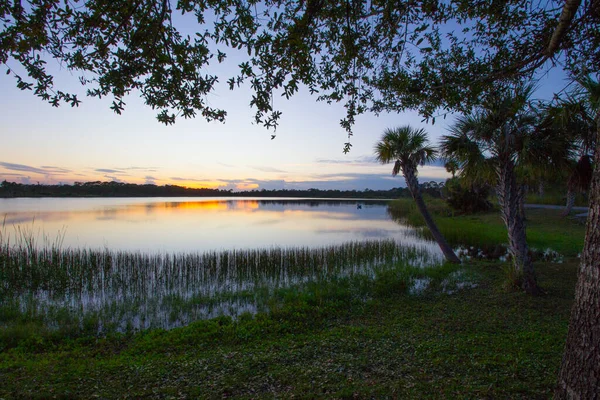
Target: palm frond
{"points": [[404, 145]]}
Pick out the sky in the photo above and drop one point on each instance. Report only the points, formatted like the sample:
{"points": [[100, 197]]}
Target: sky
{"points": [[49, 145]]}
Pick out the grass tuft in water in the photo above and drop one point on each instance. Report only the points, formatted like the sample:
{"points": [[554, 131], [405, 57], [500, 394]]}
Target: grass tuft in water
{"points": [[83, 291]]}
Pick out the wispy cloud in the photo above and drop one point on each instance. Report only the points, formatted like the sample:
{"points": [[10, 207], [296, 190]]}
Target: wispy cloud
{"points": [[110, 171], [226, 165], [45, 170], [10, 174], [56, 170], [150, 180], [147, 169], [264, 168], [362, 160], [178, 178]]}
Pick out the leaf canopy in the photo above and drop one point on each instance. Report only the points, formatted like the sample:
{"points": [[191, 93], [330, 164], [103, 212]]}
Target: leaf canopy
{"points": [[505, 130], [378, 55]]}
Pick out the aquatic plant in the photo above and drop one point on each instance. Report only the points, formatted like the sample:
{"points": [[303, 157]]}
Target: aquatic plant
{"points": [[103, 290]]}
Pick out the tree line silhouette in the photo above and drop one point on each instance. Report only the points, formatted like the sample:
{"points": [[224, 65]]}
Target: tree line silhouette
{"points": [[121, 189]]}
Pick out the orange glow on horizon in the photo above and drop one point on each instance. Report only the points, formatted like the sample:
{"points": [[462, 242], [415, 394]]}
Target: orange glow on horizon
{"points": [[196, 185]]}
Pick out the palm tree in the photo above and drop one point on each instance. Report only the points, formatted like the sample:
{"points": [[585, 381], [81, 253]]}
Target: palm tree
{"points": [[575, 118], [494, 144], [408, 148]]}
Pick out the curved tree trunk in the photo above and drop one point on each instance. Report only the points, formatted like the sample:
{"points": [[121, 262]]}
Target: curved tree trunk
{"points": [[510, 198], [413, 185], [579, 376], [564, 22], [570, 202]]}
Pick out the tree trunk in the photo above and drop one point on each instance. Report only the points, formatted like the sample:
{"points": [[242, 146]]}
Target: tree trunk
{"points": [[523, 189], [579, 376], [570, 202], [413, 185], [541, 189], [564, 22], [510, 198]]}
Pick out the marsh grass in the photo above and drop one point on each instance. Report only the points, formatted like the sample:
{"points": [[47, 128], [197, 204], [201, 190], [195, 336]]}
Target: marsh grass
{"points": [[84, 291]]}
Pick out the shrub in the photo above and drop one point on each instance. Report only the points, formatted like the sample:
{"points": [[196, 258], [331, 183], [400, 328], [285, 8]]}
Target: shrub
{"points": [[467, 198]]}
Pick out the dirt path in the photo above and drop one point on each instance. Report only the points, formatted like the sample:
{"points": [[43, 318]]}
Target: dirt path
{"points": [[583, 213]]}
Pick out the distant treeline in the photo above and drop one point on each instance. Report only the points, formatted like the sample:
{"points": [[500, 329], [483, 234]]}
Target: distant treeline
{"points": [[120, 189]]}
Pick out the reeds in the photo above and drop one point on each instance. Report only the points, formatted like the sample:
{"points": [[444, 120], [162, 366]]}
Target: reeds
{"points": [[105, 290]]}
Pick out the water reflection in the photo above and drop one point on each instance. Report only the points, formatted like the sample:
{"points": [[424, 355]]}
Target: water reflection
{"points": [[199, 224], [187, 259]]}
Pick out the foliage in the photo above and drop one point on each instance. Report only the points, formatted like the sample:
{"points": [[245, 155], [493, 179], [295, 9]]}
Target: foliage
{"points": [[326, 341], [467, 198], [503, 131], [575, 119], [406, 147], [372, 56]]}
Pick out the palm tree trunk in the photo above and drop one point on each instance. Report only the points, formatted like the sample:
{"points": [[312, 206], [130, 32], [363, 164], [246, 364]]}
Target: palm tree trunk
{"points": [[413, 185], [579, 376], [523, 189], [510, 199], [570, 202]]}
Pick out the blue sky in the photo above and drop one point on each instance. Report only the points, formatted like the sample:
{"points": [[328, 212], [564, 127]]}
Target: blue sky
{"points": [[50, 145], [44, 144]]}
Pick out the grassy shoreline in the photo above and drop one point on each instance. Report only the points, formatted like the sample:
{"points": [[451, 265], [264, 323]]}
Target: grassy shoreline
{"points": [[477, 342], [345, 338]]}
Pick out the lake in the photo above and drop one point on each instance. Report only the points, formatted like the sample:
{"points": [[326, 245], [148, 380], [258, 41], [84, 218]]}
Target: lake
{"points": [[140, 263], [200, 224]]}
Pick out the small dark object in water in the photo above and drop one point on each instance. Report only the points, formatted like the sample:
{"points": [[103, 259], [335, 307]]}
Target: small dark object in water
{"points": [[358, 206]]}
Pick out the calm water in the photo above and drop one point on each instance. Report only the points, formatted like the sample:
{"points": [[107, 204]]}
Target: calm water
{"points": [[192, 258], [200, 224]]}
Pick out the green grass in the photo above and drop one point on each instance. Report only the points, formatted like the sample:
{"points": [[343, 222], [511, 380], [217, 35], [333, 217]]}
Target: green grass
{"points": [[556, 199], [345, 339], [545, 228], [462, 335]]}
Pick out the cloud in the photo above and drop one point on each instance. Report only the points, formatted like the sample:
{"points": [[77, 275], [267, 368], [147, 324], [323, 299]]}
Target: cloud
{"points": [[265, 168], [251, 183], [178, 178], [113, 178], [17, 178], [372, 182], [426, 173], [56, 170], [226, 165], [33, 170], [150, 180], [109, 171], [10, 174], [336, 181], [361, 160], [149, 169]]}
